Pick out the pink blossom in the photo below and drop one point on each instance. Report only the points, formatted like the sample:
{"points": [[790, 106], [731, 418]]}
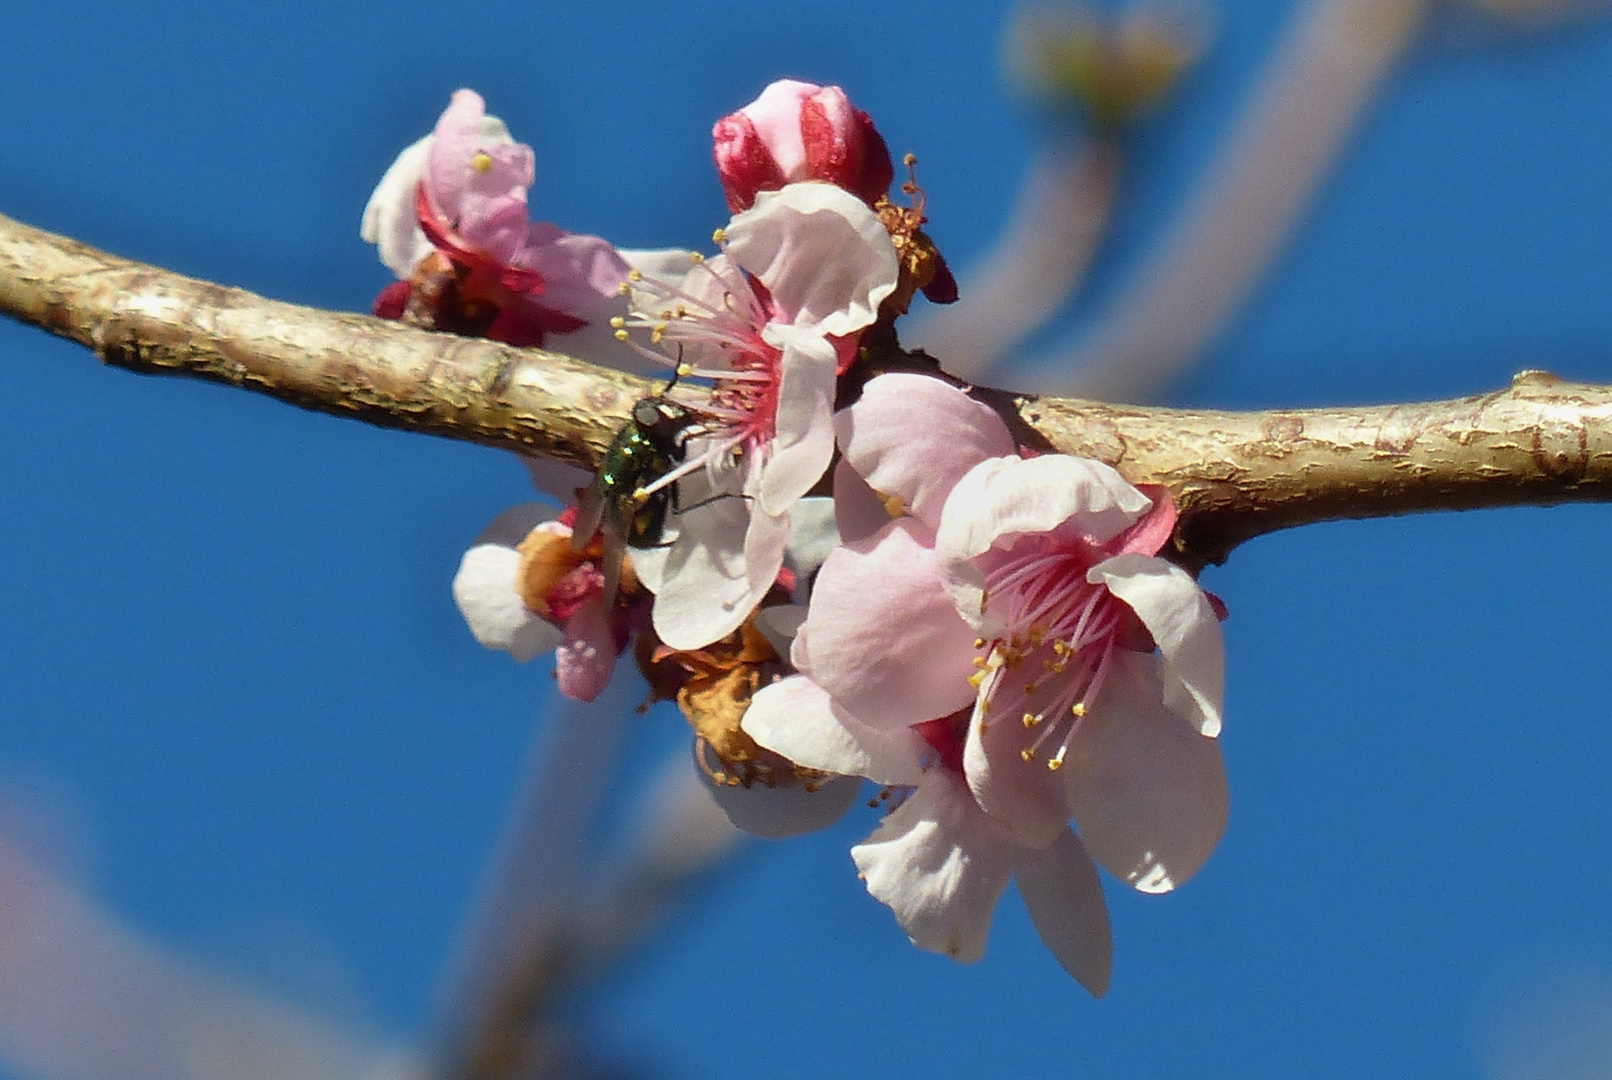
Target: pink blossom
{"points": [[800, 131], [766, 324], [522, 588], [1028, 594], [938, 860], [462, 192]]}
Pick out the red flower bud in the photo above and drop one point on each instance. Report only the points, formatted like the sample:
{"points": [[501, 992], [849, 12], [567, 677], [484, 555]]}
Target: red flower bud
{"points": [[800, 131]]}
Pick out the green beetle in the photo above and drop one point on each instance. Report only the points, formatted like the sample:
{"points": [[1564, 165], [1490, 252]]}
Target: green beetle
{"points": [[647, 447]]}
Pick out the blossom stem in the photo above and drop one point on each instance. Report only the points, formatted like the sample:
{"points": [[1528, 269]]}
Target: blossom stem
{"points": [[1234, 475]]}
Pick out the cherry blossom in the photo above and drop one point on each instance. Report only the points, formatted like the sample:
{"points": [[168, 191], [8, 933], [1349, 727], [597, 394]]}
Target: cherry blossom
{"points": [[450, 219], [768, 324], [1027, 592], [800, 131], [523, 588], [938, 860]]}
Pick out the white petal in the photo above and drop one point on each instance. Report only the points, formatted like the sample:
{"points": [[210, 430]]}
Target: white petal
{"points": [[1148, 793], [824, 256], [389, 221], [813, 535], [1007, 496], [803, 445], [1060, 886], [941, 865], [796, 718], [779, 624], [777, 813], [1177, 614], [914, 437], [485, 591], [707, 582]]}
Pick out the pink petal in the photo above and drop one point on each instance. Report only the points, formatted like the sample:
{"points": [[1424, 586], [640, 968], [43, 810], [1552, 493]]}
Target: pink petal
{"points": [[775, 115], [1148, 793], [940, 865], [803, 445], [885, 639], [1183, 624], [781, 812], [582, 275], [823, 255], [858, 511], [588, 656], [1061, 889], [1005, 497], [1025, 796], [486, 206], [796, 718], [914, 437]]}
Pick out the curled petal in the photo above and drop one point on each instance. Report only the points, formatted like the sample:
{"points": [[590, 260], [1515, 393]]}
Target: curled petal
{"points": [[886, 642], [485, 591], [1183, 624], [825, 258], [1148, 792], [1061, 889], [477, 176], [796, 718], [585, 660], [914, 437], [1003, 497], [389, 221], [803, 445], [781, 812], [940, 865]]}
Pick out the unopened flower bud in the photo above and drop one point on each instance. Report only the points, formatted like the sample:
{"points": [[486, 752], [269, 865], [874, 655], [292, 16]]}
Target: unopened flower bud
{"points": [[800, 131]]}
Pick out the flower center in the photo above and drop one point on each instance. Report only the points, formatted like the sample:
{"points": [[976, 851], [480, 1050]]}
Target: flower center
{"points": [[709, 327], [1048, 666]]}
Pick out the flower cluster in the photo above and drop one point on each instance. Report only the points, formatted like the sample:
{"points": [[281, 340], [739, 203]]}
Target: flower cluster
{"points": [[994, 636]]}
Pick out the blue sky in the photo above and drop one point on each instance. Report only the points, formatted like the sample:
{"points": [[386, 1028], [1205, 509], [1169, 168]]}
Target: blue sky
{"points": [[229, 647]]}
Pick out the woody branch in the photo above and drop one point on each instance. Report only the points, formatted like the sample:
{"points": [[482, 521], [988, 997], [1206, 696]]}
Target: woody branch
{"points": [[1235, 475]]}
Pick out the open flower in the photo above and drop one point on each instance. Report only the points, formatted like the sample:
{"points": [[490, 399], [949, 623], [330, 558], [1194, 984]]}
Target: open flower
{"points": [[800, 131], [1028, 593], [450, 220], [767, 324], [523, 588], [938, 860]]}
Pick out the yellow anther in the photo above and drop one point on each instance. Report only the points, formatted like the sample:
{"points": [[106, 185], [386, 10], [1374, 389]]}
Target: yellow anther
{"points": [[980, 661], [657, 332], [635, 274], [621, 335], [975, 679], [720, 236], [482, 162], [617, 321], [979, 643], [684, 370], [1078, 708], [625, 289], [1027, 754], [1031, 719], [1056, 763], [695, 257]]}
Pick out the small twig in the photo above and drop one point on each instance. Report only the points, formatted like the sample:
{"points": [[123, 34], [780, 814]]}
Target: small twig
{"points": [[1235, 475]]}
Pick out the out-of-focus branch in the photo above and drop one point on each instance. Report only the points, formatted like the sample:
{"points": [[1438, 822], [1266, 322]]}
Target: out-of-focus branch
{"points": [[1235, 475], [1323, 75], [1042, 257]]}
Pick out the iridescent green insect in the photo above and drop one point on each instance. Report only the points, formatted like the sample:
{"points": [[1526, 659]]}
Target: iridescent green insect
{"points": [[647, 447]]}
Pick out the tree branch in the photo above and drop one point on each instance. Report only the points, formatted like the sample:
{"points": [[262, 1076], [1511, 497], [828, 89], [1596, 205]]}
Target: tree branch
{"points": [[1235, 475]]}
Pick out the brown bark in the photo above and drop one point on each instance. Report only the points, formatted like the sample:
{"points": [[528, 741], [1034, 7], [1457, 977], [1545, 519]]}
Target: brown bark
{"points": [[1235, 475]]}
